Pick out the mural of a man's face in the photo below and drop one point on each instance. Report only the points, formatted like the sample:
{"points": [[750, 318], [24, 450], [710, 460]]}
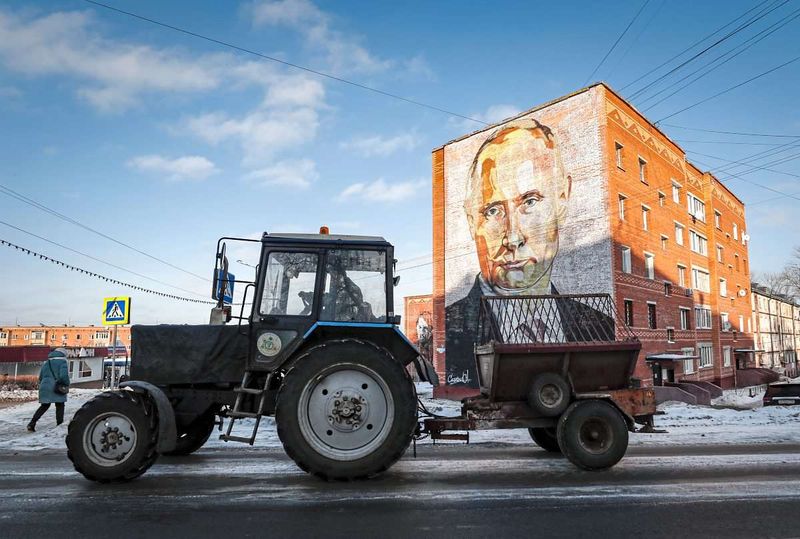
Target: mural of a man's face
{"points": [[516, 199]]}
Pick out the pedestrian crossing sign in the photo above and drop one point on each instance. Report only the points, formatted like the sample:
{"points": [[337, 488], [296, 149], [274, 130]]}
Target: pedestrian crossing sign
{"points": [[116, 311]]}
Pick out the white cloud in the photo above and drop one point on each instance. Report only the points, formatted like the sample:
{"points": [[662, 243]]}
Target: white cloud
{"points": [[9, 92], [189, 167], [298, 174], [113, 74], [381, 191], [343, 51], [379, 145]]}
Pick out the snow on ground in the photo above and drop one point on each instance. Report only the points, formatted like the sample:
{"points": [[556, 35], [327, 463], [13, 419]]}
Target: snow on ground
{"points": [[686, 425], [18, 395]]}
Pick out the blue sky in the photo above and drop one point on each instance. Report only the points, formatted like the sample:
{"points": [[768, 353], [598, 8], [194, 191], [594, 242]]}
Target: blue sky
{"points": [[166, 142]]}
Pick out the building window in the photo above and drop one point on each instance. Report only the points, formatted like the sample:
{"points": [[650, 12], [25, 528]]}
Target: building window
{"points": [[706, 353], [698, 243], [645, 215], [741, 323], [702, 317], [682, 276], [626, 259], [700, 280], [697, 207], [726, 356], [651, 315], [78, 337], [664, 242], [735, 231], [676, 193], [628, 305], [661, 198], [724, 323], [622, 199], [650, 266], [667, 288], [679, 233], [723, 288], [642, 170], [618, 154], [719, 253], [670, 335], [688, 364], [716, 218], [684, 318], [736, 262]]}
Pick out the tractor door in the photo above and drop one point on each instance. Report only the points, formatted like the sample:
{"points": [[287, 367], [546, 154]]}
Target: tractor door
{"points": [[285, 306]]}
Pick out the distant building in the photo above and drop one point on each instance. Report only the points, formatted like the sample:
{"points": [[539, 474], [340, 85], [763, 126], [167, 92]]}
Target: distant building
{"points": [[585, 195], [418, 322], [24, 348], [776, 328]]}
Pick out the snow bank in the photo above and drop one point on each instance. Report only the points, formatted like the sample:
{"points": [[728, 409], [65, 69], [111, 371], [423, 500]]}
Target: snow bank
{"points": [[18, 395], [686, 425]]}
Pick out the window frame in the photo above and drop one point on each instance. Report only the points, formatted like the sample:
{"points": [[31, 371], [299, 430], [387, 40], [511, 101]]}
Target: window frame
{"points": [[618, 156], [321, 262], [643, 170], [650, 272], [625, 250]]}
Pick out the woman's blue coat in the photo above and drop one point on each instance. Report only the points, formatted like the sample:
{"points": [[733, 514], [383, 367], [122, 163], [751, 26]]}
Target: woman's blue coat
{"points": [[47, 382]]}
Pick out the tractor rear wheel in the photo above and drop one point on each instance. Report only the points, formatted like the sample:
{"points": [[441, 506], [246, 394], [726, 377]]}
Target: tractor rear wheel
{"points": [[195, 435], [593, 434], [112, 438], [346, 410], [545, 437]]}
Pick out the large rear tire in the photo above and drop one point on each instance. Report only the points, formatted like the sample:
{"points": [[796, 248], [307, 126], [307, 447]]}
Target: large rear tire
{"points": [[194, 435], [546, 438], [346, 410], [112, 438], [593, 434]]}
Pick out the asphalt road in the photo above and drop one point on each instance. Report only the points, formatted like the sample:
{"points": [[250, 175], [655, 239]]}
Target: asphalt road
{"points": [[459, 491]]}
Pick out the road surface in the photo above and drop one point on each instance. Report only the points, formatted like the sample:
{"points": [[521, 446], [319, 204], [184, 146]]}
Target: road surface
{"points": [[481, 490]]}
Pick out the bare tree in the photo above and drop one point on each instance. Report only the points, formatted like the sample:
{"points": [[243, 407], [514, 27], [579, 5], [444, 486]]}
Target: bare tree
{"points": [[777, 282]]}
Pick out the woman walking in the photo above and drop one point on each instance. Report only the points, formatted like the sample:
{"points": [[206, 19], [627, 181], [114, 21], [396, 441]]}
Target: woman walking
{"points": [[53, 386]]}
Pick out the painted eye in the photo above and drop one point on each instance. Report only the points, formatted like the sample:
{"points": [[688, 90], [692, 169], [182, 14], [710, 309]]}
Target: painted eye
{"points": [[530, 201], [492, 212]]}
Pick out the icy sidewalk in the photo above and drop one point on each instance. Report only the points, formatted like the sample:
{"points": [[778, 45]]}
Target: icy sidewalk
{"points": [[686, 425]]}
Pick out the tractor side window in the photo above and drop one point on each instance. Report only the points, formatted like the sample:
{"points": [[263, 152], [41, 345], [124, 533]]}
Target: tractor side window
{"points": [[289, 283], [355, 286]]}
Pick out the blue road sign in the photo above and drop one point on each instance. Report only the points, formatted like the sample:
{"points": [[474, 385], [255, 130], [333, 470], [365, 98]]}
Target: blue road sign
{"points": [[227, 296], [116, 311]]}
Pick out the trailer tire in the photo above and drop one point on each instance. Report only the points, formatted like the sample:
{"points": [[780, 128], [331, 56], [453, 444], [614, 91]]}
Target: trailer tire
{"points": [[195, 435], [549, 394], [340, 381], [546, 438], [593, 434], [113, 437]]}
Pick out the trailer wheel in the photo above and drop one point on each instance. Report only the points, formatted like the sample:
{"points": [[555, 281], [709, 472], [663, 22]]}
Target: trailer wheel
{"points": [[549, 394], [546, 438], [112, 438], [195, 435], [593, 434], [346, 410]]}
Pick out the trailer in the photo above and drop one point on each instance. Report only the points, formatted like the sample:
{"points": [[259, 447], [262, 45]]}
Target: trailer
{"points": [[316, 345]]}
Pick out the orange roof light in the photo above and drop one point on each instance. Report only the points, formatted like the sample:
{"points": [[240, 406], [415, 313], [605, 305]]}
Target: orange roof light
{"points": [[324, 230]]}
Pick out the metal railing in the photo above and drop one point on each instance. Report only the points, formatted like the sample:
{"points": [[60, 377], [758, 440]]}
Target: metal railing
{"points": [[551, 319]]}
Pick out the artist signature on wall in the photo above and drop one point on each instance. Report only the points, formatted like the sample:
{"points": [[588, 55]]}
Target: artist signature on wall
{"points": [[463, 378]]}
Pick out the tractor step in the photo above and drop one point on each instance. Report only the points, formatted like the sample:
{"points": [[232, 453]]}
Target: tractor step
{"points": [[248, 390], [243, 414], [231, 438]]}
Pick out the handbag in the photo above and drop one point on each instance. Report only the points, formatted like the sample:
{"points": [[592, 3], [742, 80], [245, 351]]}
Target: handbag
{"points": [[61, 389]]}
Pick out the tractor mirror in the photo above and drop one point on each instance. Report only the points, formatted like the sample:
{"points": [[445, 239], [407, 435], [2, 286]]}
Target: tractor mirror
{"points": [[396, 280]]}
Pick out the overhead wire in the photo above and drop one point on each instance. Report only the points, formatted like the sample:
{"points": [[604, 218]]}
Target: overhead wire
{"points": [[625, 31], [693, 45], [738, 133], [29, 201]]}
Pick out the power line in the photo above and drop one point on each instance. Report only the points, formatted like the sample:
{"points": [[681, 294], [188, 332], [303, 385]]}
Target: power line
{"points": [[283, 62], [739, 177], [744, 163], [763, 154], [685, 141], [99, 276], [751, 79], [739, 133], [693, 45], [97, 259], [29, 201], [747, 44], [633, 20]]}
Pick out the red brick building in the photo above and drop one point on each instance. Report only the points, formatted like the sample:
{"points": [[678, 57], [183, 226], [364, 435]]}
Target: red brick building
{"points": [[585, 195]]}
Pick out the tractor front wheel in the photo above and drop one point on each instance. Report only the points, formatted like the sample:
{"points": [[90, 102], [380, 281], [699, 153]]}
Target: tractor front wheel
{"points": [[195, 435], [346, 410]]}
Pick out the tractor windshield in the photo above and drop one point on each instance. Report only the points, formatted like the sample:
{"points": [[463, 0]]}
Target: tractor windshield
{"points": [[355, 286], [289, 284]]}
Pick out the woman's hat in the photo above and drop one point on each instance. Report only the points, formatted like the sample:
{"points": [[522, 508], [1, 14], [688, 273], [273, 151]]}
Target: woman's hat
{"points": [[58, 353]]}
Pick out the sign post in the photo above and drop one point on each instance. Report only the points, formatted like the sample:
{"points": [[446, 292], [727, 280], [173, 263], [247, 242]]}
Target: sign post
{"points": [[116, 312]]}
